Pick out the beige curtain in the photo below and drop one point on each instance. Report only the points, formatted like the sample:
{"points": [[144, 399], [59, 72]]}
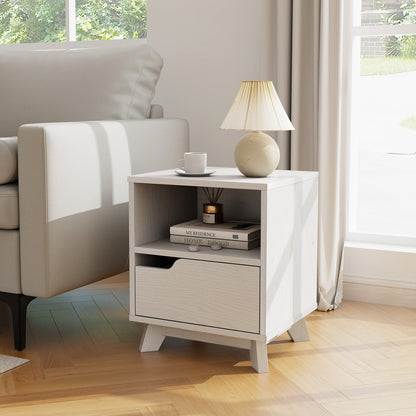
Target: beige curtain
{"points": [[313, 83]]}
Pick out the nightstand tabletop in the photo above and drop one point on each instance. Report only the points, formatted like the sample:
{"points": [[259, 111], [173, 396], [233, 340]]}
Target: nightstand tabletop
{"points": [[225, 177]]}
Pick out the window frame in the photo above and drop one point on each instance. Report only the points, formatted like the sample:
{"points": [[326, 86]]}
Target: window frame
{"points": [[71, 33], [358, 31], [71, 20], [79, 44]]}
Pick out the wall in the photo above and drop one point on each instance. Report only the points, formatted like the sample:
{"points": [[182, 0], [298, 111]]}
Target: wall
{"points": [[379, 273], [208, 48]]}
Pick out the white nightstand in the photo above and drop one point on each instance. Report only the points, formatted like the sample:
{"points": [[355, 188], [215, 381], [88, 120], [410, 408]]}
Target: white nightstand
{"points": [[231, 297]]}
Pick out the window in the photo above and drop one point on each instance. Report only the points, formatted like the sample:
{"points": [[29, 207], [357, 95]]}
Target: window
{"points": [[382, 194], [33, 21]]}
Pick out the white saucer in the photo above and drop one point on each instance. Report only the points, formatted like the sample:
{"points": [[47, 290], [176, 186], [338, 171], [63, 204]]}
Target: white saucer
{"points": [[207, 172]]}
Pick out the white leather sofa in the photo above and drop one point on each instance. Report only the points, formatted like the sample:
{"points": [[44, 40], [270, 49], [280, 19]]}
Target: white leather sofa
{"points": [[73, 124]]}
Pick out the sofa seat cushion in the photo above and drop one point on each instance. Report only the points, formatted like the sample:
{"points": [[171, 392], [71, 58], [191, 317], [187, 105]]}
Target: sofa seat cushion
{"points": [[85, 84], [8, 159], [9, 207]]}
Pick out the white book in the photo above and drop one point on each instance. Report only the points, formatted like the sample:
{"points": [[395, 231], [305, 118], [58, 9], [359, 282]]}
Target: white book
{"points": [[230, 230], [200, 241]]}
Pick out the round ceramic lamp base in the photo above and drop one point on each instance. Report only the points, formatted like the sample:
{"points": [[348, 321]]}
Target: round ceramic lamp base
{"points": [[257, 155]]}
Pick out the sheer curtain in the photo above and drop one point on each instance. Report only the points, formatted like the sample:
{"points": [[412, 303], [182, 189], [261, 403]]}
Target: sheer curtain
{"points": [[312, 81]]}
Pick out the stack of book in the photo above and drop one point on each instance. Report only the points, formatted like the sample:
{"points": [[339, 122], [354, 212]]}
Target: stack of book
{"points": [[239, 235]]}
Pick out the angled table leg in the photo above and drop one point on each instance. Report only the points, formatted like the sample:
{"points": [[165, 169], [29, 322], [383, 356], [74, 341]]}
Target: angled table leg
{"points": [[299, 331], [258, 356], [152, 338]]}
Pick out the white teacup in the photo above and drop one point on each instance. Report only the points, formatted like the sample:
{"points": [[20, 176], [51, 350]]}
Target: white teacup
{"points": [[194, 162]]}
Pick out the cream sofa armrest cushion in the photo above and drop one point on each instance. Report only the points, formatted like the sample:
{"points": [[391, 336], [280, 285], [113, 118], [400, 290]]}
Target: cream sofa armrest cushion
{"points": [[8, 159], [94, 83], [8, 151], [9, 207], [74, 195]]}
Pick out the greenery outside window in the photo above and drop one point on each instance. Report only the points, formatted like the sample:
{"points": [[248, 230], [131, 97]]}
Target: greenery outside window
{"points": [[34, 21]]}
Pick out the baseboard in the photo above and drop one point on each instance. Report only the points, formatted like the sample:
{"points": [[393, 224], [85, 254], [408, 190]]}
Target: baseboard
{"points": [[382, 291]]}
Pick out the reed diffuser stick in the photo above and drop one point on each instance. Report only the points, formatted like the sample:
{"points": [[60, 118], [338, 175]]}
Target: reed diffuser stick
{"points": [[212, 211], [213, 194], [206, 192], [219, 193]]}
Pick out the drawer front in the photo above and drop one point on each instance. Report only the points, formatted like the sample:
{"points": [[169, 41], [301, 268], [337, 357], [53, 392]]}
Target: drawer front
{"points": [[202, 293]]}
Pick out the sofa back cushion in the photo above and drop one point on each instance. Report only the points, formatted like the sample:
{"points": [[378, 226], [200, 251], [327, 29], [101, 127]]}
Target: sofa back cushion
{"points": [[97, 83]]}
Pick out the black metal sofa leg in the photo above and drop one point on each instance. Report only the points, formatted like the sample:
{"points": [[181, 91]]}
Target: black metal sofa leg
{"points": [[18, 305]]}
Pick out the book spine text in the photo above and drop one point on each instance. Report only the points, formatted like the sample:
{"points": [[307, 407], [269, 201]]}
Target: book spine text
{"points": [[201, 241]]}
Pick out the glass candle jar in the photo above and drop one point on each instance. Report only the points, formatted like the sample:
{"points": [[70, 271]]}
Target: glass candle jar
{"points": [[212, 213]]}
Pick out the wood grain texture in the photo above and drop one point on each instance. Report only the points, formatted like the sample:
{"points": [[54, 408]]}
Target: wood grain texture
{"points": [[152, 214], [202, 293], [215, 295], [361, 360], [289, 240], [166, 248]]}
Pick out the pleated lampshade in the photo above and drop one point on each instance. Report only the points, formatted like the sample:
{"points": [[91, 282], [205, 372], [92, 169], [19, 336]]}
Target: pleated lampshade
{"points": [[257, 107]]}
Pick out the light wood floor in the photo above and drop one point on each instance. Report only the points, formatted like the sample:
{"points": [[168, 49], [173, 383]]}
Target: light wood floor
{"points": [[361, 360]]}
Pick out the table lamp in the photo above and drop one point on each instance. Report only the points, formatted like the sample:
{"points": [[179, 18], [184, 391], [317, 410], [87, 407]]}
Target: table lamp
{"points": [[257, 107]]}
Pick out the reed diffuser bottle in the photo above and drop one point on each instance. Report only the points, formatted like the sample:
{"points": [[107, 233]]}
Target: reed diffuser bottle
{"points": [[212, 211]]}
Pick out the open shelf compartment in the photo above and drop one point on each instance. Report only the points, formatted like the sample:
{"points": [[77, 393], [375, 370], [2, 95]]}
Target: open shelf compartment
{"points": [[157, 207], [226, 255]]}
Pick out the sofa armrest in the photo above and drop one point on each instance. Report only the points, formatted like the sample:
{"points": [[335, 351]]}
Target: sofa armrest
{"points": [[73, 195]]}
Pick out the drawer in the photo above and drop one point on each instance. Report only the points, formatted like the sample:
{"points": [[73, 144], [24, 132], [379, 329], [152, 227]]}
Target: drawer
{"points": [[202, 293]]}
